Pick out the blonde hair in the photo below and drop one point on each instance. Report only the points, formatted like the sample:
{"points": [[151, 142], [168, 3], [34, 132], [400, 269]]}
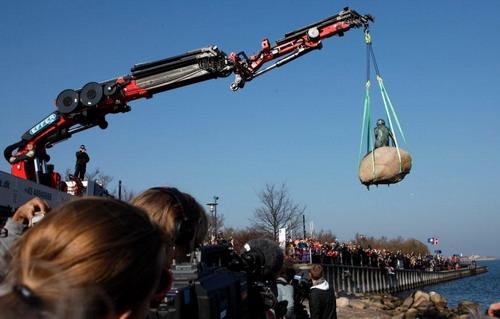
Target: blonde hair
{"points": [[168, 207], [100, 247]]}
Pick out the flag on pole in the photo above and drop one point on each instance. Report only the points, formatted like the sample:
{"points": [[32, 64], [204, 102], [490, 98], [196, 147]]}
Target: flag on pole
{"points": [[433, 241]]}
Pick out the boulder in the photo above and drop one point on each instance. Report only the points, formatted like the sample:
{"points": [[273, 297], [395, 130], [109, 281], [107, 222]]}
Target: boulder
{"points": [[378, 305], [357, 304], [407, 303], [412, 313], [439, 301], [468, 308], [424, 306], [383, 167], [342, 302], [421, 297]]}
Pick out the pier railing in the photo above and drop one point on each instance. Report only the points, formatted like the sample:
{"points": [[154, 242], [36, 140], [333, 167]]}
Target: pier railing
{"points": [[356, 279]]}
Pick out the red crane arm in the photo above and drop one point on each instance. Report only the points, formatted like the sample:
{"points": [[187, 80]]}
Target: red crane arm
{"points": [[294, 45], [84, 108]]}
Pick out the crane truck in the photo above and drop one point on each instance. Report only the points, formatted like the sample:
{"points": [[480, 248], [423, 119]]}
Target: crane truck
{"points": [[81, 109]]}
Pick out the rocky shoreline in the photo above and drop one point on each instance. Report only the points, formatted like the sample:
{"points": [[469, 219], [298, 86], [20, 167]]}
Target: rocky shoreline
{"points": [[419, 304]]}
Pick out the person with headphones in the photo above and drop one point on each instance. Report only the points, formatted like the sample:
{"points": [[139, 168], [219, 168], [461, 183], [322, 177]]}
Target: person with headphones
{"points": [[179, 215], [92, 257]]}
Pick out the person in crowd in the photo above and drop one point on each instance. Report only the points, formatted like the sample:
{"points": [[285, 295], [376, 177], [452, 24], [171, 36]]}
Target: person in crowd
{"points": [[179, 215], [322, 302], [382, 134], [285, 289], [89, 258], [494, 310], [82, 158], [25, 216], [391, 275]]}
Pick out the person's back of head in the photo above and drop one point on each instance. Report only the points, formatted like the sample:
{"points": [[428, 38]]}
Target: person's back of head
{"points": [[90, 258], [178, 214], [316, 272]]}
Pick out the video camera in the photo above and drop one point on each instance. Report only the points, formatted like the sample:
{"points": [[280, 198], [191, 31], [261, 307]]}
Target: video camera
{"points": [[302, 284], [224, 284], [301, 288]]}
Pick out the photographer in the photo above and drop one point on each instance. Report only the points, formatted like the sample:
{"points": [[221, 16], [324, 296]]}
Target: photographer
{"points": [[322, 302], [494, 310], [24, 217], [179, 215], [286, 290], [224, 284], [90, 258]]}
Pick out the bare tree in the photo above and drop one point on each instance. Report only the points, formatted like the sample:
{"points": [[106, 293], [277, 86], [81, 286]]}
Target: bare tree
{"points": [[127, 194], [278, 210], [241, 236], [326, 236], [103, 179], [406, 245]]}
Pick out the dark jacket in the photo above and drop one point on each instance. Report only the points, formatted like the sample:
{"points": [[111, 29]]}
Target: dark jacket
{"points": [[322, 302], [82, 158]]}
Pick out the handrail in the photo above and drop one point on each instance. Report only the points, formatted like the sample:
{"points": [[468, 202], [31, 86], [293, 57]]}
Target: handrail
{"points": [[359, 279]]}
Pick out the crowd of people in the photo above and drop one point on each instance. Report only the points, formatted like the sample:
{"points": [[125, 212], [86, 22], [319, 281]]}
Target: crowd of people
{"points": [[352, 254], [96, 257], [104, 258]]}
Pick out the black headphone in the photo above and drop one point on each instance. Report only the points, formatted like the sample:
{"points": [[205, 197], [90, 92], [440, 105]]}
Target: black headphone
{"points": [[183, 229]]}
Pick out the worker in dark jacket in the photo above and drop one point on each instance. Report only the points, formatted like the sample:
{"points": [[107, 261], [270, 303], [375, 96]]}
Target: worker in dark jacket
{"points": [[82, 158], [322, 302]]}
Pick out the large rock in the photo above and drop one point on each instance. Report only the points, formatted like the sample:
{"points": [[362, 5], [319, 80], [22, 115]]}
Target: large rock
{"points": [[412, 313], [419, 298], [407, 303], [342, 302], [384, 166], [439, 301], [424, 306], [357, 304], [419, 305], [468, 308]]}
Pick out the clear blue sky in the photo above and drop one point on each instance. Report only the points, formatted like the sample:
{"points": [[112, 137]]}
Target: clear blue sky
{"points": [[299, 124]]}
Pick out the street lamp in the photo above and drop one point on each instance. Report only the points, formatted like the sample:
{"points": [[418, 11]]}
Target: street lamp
{"points": [[212, 207]]}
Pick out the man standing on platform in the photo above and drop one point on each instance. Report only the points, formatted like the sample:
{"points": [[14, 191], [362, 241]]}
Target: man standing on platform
{"points": [[82, 158]]}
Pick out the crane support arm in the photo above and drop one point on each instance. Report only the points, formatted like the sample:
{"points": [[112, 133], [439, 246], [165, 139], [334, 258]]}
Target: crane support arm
{"points": [[87, 107]]}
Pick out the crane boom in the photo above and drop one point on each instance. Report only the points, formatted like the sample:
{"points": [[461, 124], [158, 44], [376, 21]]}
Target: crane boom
{"points": [[87, 107]]}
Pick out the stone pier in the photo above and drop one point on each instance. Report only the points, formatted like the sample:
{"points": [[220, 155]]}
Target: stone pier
{"points": [[355, 279]]}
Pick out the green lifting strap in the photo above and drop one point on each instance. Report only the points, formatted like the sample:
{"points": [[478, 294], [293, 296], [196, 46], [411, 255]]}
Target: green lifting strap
{"points": [[388, 106], [366, 124], [389, 103], [385, 98], [383, 91], [366, 128]]}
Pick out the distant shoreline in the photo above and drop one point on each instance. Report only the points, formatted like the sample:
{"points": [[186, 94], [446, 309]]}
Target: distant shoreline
{"points": [[478, 258]]}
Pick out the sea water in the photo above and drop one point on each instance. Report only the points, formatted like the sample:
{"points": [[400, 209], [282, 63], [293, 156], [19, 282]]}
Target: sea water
{"points": [[483, 289]]}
